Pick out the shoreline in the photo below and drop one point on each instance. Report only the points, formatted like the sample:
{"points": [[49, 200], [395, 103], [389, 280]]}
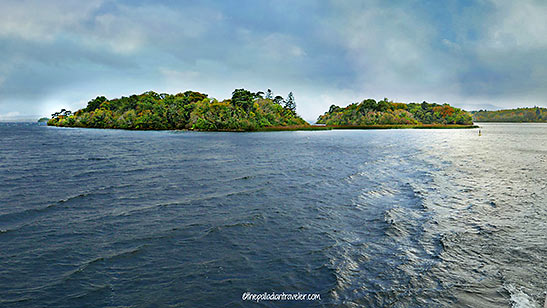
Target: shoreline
{"points": [[309, 127], [407, 126]]}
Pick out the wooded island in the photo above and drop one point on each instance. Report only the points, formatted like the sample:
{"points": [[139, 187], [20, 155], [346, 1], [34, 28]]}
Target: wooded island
{"points": [[384, 112], [245, 111], [248, 111]]}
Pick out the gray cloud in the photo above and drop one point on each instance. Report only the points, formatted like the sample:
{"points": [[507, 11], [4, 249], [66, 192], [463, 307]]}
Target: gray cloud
{"points": [[473, 54]]}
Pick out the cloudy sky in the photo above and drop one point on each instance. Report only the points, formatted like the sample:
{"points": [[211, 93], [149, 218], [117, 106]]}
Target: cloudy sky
{"points": [[470, 53]]}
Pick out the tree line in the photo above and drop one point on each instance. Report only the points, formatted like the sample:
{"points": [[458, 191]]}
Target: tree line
{"points": [[371, 112], [245, 110]]}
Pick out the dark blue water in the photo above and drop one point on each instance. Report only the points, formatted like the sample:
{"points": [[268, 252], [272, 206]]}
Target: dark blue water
{"points": [[398, 218]]}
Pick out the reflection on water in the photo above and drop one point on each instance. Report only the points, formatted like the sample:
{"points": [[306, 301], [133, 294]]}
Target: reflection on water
{"points": [[401, 218]]}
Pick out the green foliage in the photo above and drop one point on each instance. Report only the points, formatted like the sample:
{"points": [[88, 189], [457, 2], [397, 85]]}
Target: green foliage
{"points": [[278, 100], [269, 94], [95, 103], [188, 110], [535, 114], [384, 112], [242, 98], [290, 104]]}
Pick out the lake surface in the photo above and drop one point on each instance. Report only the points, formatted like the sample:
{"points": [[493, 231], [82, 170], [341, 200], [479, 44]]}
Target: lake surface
{"points": [[398, 218]]}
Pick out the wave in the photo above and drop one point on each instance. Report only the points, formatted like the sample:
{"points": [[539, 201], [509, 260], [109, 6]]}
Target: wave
{"points": [[519, 298], [24, 298], [96, 158], [212, 196], [216, 229], [124, 253], [53, 205], [32, 212]]}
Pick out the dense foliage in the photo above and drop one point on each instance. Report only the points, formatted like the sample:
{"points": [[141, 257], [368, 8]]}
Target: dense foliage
{"points": [[188, 110], [370, 112], [535, 114]]}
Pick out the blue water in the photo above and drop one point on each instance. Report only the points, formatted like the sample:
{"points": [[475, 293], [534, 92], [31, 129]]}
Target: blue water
{"points": [[398, 218]]}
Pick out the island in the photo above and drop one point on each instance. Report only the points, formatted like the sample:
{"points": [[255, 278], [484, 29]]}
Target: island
{"points": [[519, 115], [249, 111], [389, 114], [244, 111]]}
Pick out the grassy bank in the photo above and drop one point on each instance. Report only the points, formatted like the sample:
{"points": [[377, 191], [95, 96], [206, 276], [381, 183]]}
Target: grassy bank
{"points": [[322, 127], [384, 126], [294, 128], [404, 126]]}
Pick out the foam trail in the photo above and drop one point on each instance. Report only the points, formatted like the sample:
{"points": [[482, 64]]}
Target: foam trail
{"points": [[519, 298]]}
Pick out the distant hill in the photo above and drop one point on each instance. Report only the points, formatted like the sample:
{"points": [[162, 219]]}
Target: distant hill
{"points": [[19, 118], [535, 114], [384, 112]]}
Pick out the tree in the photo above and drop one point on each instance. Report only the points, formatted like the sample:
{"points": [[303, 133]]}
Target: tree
{"points": [[242, 98], [278, 99], [383, 105], [290, 104], [269, 94], [194, 97], [95, 103], [63, 113], [368, 104], [334, 108], [259, 94]]}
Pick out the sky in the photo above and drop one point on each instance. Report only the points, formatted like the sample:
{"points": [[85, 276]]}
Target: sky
{"points": [[482, 54]]}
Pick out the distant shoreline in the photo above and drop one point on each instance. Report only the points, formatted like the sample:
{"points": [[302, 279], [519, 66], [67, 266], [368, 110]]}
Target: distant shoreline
{"points": [[517, 115]]}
